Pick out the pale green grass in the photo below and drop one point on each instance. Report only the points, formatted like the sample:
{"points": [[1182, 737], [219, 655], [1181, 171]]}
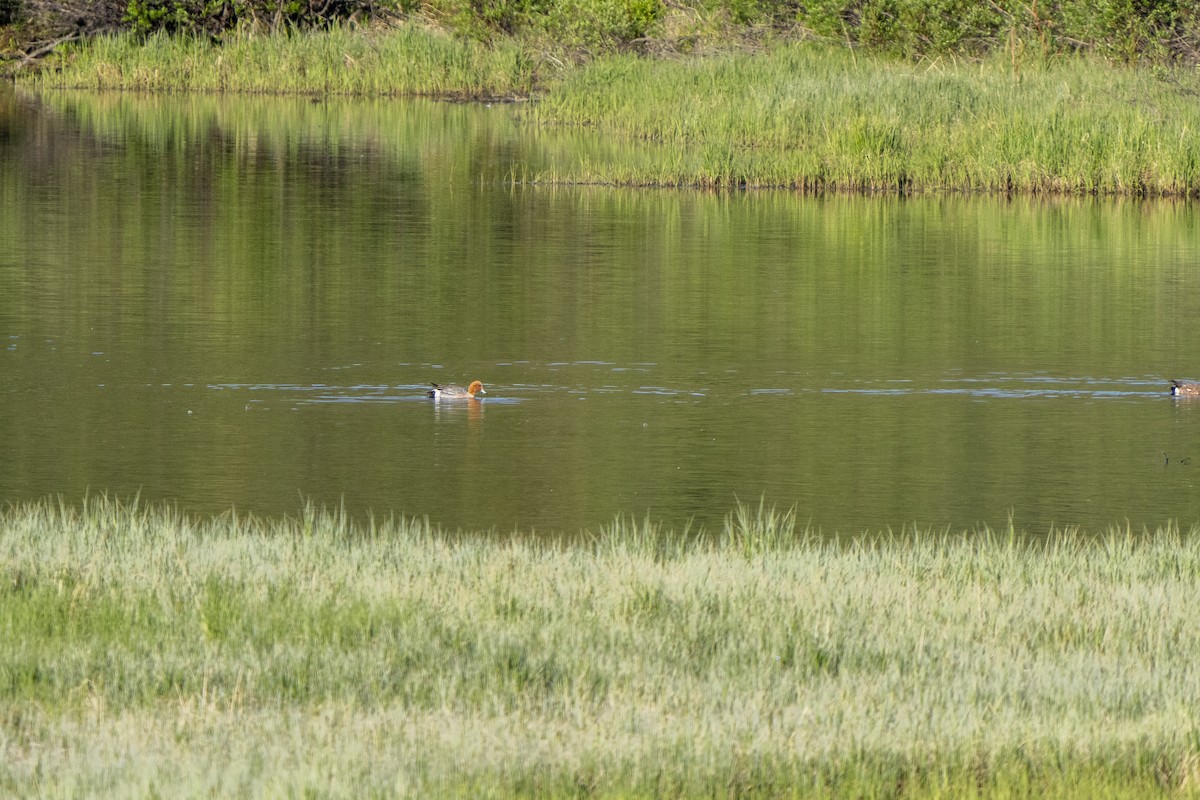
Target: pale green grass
{"points": [[405, 61], [149, 654], [819, 117], [800, 115]]}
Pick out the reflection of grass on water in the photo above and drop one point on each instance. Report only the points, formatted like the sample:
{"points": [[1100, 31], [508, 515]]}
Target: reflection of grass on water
{"points": [[148, 653]]}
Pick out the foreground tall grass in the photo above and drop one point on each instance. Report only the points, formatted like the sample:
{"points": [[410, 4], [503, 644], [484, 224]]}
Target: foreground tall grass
{"points": [[150, 654]]}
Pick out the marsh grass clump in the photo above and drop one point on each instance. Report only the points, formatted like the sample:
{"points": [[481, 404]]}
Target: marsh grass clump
{"points": [[406, 61], [752, 531], [816, 117], [148, 652]]}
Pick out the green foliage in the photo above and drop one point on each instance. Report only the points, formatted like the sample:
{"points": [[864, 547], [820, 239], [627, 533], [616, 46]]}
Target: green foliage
{"points": [[144, 16], [761, 12], [565, 24], [214, 17], [1130, 29], [909, 27]]}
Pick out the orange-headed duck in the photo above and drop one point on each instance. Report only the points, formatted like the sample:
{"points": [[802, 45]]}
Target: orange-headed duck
{"points": [[448, 391]]}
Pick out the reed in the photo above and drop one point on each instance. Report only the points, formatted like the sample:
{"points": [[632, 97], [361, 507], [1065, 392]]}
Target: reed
{"points": [[150, 653], [405, 61], [796, 115], [816, 117]]}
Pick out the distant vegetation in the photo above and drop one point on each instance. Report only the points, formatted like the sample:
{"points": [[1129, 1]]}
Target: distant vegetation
{"points": [[151, 654], [1155, 30], [405, 61], [1071, 97], [808, 116]]}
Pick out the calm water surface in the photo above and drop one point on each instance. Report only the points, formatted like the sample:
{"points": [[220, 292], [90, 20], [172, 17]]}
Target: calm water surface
{"points": [[230, 302]]}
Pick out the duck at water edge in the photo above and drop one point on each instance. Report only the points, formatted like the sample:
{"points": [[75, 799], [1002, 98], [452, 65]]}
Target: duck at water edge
{"points": [[1185, 388]]}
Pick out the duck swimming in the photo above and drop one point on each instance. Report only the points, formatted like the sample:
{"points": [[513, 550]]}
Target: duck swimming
{"points": [[449, 391], [1185, 389]]}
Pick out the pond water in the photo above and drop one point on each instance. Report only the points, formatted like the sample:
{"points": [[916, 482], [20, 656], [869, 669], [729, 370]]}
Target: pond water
{"points": [[232, 302]]}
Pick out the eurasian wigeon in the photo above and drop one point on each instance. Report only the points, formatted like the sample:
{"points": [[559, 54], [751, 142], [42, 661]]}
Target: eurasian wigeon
{"points": [[1185, 388], [449, 391]]}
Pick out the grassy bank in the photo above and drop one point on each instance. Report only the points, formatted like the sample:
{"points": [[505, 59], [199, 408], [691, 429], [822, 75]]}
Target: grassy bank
{"points": [[805, 116], [820, 117], [151, 654], [405, 61]]}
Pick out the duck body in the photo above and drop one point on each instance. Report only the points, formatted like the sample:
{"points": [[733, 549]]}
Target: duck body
{"points": [[450, 391], [1185, 389]]}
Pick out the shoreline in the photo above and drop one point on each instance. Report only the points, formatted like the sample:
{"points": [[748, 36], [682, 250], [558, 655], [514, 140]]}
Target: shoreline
{"points": [[808, 117]]}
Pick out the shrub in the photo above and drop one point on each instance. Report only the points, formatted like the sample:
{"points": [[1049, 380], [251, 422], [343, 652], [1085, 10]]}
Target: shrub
{"points": [[215, 16], [572, 24], [1126, 29], [1134, 29], [10, 11]]}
